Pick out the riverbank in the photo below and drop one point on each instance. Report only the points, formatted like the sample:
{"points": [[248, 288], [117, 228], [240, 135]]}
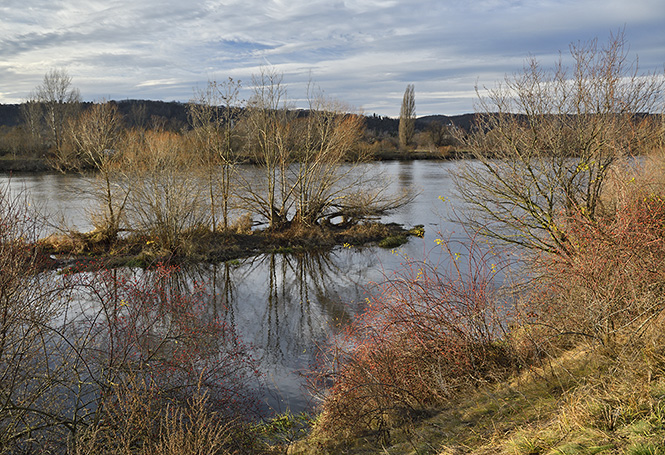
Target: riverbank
{"points": [[584, 401], [24, 165], [32, 165]]}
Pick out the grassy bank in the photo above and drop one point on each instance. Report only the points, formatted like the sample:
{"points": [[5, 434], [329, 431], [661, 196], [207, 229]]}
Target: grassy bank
{"points": [[580, 403]]}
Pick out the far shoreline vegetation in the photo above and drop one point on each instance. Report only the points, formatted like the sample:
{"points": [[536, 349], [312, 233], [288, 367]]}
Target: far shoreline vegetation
{"points": [[434, 139]]}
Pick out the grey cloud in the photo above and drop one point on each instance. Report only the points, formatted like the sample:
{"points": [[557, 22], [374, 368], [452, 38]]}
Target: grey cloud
{"points": [[361, 51]]}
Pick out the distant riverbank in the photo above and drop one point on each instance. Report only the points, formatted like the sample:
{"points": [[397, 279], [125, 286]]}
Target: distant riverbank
{"points": [[37, 165], [8, 164]]}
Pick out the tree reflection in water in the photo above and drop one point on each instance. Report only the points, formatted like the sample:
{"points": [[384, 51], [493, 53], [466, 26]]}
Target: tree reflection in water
{"points": [[284, 306]]}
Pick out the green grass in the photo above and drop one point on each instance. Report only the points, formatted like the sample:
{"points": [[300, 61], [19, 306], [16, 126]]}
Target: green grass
{"points": [[393, 241]]}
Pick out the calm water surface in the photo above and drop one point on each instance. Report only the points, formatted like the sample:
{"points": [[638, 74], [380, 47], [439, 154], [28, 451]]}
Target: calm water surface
{"points": [[285, 306]]}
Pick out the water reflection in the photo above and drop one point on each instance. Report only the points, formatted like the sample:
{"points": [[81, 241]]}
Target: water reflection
{"points": [[284, 306]]}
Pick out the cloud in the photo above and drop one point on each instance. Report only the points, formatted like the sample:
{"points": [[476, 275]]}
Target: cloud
{"points": [[363, 52]]}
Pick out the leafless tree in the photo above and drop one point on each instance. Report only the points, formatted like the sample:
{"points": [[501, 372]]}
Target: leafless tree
{"points": [[547, 140], [59, 101], [304, 157], [268, 132], [31, 114], [324, 139], [97, 135], [214, 115]]}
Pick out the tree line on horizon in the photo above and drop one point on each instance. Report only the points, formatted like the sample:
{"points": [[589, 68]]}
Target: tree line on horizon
{"points": [[20, 140]]}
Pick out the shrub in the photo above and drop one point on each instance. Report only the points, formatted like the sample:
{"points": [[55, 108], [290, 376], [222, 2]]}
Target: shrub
{"points": [[427, 333], [166, 200], [92, 359], [609, 290], [147, 326], [28, 300]]}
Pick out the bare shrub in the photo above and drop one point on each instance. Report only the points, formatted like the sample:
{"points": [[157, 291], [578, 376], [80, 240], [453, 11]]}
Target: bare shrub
{"points": [[166, 201], [28, 299], [110, 362], [547, 139], [242, 224], [610, 290], [428, 333], [146, 327]]}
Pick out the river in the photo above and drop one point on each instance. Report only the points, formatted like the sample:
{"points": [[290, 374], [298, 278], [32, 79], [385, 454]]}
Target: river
{"points": [[285, 306]]}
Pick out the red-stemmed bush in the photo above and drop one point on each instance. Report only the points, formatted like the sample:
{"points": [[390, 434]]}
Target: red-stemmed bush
{"points": [[611, 288], [28, 301], [428, 332], [117, 361], [131, 326]]}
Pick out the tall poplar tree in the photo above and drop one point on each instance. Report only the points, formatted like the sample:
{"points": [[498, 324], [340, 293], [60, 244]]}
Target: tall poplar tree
{"points": [[407, 117]]}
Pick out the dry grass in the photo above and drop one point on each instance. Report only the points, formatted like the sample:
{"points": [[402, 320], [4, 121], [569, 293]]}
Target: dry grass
{"points": [[137, 420]]}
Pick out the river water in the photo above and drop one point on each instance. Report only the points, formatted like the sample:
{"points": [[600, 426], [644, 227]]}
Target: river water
{"points": [[286, 306]]}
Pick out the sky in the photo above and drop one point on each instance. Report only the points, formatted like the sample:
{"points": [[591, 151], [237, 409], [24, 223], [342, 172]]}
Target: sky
{"points": [[361, 52]]}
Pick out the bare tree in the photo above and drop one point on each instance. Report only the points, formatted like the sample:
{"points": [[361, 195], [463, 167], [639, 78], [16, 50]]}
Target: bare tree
{"points": [[439, 135], [327, 183], [31, 114], [546, 141], [214, 115], [97, 135], [268, 131], [407, 117], [304, 161], [59, 102]]}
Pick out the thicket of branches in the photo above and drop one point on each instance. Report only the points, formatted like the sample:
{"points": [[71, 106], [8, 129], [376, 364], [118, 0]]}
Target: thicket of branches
{"points": [[112, 361], [169, 187], [548, 140]]}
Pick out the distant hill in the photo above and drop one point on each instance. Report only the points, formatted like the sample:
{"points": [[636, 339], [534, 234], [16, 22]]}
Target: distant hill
{"points": [[463, 121], [10, 114], [383, 124], [172, 115]]}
